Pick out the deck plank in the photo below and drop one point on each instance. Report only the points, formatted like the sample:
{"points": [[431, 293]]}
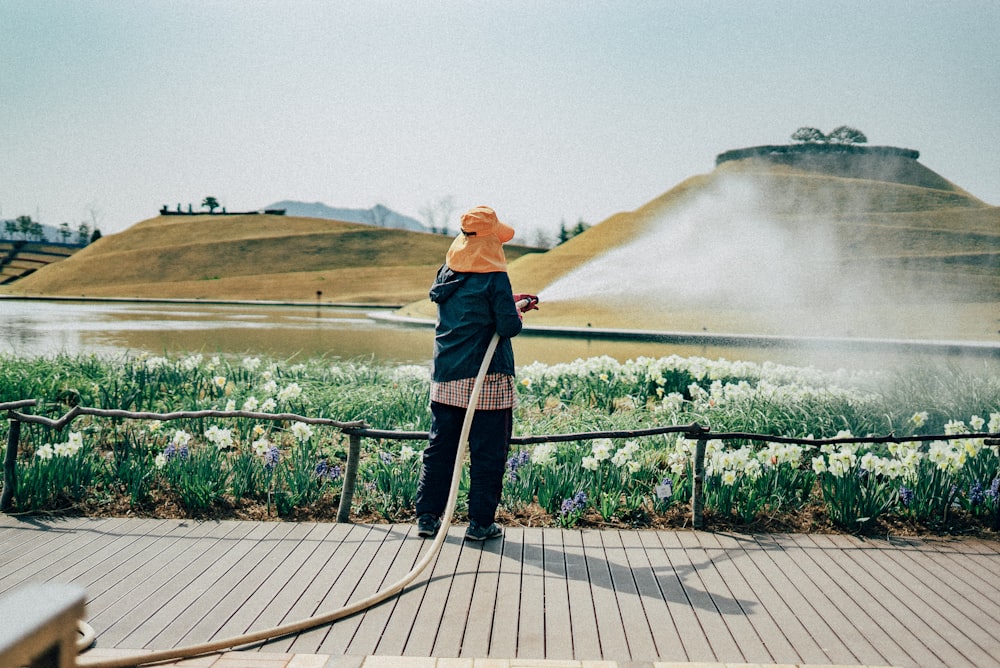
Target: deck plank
{"points": [[947, 572], [400, 620], [227, 595], [132, 603], [314, 581], [429, 621], [582, 615], [338, 585], [375, 622], [663, 632], [503, 629], [876, 604], [638, 633], [610, 624], [61, 544], [558, 626], [342, 633], [456, 617], [826, 598], [808, 635], [298, 570], [216, 565], [668, 571], [892, 602], [557, 594], [531, 617], [261, 584], [755, 636], [697, 581]]}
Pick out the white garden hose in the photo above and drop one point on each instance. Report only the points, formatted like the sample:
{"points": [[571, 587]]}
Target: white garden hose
{"points": [[325, 618]]}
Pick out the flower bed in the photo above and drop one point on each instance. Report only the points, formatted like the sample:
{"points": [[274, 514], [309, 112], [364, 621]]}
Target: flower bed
{"points": [[246, 468]]}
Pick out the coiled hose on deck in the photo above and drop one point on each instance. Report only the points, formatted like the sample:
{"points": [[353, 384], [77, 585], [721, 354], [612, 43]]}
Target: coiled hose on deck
{"points": [[332, 616]]}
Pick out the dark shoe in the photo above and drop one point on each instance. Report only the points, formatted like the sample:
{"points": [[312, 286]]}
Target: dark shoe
{"points": [[427, 525], [478, 532]]}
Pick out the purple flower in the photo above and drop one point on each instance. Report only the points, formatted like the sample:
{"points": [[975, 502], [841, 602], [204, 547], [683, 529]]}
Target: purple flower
{"points": [[324, 470], [977, 493], [994, 490], [271, 457], [668, 484], [386, 457], [516, 462], [172, 452], [575, 504], [905, 496]]}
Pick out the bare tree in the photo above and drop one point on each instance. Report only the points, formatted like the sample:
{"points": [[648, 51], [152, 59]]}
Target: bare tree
{"points": [[542, 239], [438, 214]]}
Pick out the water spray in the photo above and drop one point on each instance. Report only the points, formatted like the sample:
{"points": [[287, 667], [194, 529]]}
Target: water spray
{"points": [[524, 303]]}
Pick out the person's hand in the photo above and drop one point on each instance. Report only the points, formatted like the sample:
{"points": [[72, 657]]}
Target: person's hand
{"points": [[531, 302]]}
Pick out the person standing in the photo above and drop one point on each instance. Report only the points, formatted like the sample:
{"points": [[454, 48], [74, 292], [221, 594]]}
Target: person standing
{"points": [[474, 301]]}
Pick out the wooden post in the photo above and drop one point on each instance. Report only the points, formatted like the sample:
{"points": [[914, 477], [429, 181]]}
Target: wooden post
{"points": [[10, 466], [350, 478], [994, 442], [697, 491]]}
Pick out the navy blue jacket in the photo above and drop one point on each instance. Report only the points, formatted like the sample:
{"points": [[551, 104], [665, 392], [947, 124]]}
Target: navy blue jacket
{"points": [[471, 308]]}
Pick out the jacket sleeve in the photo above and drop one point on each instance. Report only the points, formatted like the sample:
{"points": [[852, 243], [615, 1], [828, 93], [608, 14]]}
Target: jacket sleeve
{"points": [[505, 315]]}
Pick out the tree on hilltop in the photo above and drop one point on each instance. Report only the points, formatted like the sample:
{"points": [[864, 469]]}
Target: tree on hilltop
{"points": [[839, 135], [808, 135], [26, 226], [83, 234], [846, 135], [210, 203]]}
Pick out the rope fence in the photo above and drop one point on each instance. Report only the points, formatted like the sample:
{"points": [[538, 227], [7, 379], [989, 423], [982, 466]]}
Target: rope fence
{"points": [[358, 429]]}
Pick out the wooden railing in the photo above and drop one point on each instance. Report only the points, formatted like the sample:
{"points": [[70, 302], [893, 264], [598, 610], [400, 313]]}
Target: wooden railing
{"points": [[358, 429]]}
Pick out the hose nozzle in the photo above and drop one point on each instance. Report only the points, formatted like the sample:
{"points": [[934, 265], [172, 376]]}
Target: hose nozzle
{"points": [[525, 302]]}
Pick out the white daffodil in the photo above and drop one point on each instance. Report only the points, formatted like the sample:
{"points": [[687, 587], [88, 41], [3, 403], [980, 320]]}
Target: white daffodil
{"points": [[544, 454], [302, 431]]}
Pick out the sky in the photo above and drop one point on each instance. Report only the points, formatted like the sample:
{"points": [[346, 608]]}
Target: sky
{"points": [[547, 111]]}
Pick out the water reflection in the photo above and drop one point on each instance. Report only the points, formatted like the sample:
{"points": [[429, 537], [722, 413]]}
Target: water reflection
{"points": [[44, 328]]}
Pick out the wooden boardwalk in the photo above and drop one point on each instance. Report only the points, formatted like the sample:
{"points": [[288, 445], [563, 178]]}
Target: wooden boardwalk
{"points": [[625, 596]]}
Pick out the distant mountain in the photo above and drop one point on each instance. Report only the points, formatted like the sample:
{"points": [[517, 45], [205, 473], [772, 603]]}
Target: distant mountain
{"points": [[378, 215]]}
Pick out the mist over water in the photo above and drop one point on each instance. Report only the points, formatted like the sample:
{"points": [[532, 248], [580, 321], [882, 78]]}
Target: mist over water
{"points": [[725, 247]]}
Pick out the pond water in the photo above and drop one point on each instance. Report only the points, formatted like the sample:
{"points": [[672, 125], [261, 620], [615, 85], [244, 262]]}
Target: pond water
{"points": [[115, 328]]}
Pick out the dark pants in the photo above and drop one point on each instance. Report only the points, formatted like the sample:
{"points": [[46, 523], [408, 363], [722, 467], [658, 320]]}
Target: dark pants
{"points": [[489, 440]]}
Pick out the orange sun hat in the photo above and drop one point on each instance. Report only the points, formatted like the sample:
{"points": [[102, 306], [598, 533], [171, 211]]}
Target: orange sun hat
{"points": [[478, 249]]}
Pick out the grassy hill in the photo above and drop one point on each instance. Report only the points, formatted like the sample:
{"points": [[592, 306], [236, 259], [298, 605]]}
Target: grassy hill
{"points": [[20, 258], [813, 247], [254, 256], [758, 246]]}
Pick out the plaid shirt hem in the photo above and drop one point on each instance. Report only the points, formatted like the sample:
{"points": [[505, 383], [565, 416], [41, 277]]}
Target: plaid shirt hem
{"points": [[498, 392]]}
